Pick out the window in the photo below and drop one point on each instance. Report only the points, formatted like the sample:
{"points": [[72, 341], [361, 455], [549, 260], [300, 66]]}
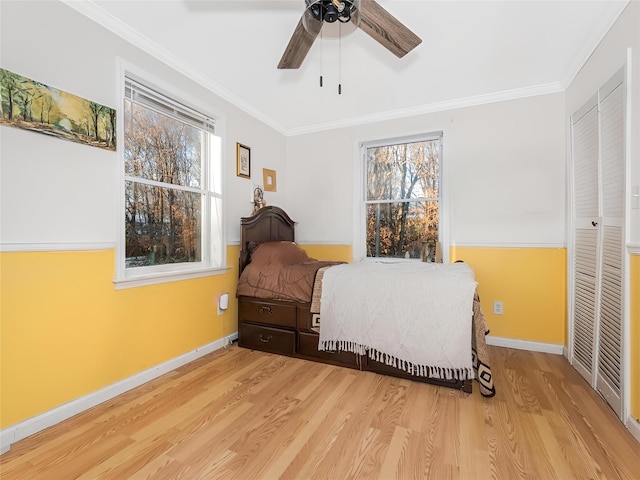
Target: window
{"points": [[402, 197], [172, 189]]}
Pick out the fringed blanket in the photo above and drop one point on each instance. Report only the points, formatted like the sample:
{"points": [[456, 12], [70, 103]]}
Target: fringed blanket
{"points": [[480, 352], [415, 316]]}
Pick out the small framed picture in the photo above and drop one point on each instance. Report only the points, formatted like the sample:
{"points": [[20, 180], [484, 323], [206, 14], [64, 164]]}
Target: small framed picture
{"points": [[243, 161], [269, 180]]}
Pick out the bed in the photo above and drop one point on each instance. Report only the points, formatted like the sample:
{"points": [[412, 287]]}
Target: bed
{"points": [[291, 304]]}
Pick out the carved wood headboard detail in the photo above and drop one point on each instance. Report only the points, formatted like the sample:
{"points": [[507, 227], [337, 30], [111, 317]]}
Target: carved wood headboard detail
{"points": [[268, 224]]}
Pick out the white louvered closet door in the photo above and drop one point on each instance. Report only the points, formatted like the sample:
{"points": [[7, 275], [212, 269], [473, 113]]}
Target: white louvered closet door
{"points": [[612, 174], [597, 269], [585, 237]]}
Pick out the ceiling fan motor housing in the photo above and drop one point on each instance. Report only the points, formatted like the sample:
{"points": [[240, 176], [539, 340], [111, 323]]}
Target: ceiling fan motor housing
{"points": [[331, 10], [339, 18]]}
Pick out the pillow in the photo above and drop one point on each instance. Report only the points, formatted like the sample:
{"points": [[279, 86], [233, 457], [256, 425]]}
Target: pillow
{"points": [[281, 253]]}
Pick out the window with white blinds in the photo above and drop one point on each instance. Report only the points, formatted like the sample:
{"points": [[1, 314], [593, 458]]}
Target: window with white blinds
{"points": [[402, 197], [172, 189]]}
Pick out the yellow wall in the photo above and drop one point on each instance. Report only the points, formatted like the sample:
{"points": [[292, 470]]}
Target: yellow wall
{"points": [[66, 332], [343, 253], [635, 335], [531, 283]]}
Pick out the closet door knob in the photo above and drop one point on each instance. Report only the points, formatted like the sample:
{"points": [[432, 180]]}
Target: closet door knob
{"points": [[595, 224]]}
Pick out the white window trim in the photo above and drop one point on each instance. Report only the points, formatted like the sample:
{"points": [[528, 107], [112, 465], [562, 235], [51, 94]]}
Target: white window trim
{"points": [[164, 273], [359, 213], [166, 277]]}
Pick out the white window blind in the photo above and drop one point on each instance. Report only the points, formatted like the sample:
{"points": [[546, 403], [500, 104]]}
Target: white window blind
{"points": [[143, 95]]}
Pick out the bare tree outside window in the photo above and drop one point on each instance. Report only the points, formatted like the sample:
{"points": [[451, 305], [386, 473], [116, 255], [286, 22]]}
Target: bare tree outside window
{"points": [[172, 226], [402, 197], [163, 163]]}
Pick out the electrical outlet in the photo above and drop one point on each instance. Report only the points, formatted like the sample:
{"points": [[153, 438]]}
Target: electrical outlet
{"points": [[223, 303], [216, 301], [498, 308]]}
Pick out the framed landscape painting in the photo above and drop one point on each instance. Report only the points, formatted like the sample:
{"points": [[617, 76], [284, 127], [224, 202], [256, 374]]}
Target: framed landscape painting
{"points": [[31, 105]]}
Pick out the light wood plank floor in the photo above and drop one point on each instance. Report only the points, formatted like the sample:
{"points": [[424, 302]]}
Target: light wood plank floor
{"points": [[240, 414]]}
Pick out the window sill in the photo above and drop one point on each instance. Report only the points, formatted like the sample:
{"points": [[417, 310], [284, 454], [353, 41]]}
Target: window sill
{"points": [[166, 277]]}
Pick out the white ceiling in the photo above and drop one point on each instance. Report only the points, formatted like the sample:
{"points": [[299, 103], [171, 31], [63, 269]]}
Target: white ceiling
{"points": [[471, 52]]}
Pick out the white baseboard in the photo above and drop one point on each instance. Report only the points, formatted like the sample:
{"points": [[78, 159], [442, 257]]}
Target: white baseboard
{"points": [[58, 414], [633, 426], [525, 345]]}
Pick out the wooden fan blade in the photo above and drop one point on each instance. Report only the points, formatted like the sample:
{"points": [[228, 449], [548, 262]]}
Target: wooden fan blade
{"points": [[299, 45], [386, 29]]}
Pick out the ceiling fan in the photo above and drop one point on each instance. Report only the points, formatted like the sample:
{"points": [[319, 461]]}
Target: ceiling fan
{"points": [[368, 15]]}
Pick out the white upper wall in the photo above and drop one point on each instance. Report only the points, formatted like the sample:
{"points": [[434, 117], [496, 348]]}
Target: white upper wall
{"points": [[620, 43], [55, 192], [463, 55], [504, 163], [503, 166]]}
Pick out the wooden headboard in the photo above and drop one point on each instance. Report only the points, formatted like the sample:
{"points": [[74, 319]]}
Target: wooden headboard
{"points": [[268, 224]]}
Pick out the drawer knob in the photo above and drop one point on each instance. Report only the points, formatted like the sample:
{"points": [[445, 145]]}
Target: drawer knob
{"points": [[265, 309], [265, 338]]}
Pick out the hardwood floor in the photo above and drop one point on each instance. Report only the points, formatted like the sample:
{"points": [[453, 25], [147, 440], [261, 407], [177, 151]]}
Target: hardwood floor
{"points": [[241, 414]]}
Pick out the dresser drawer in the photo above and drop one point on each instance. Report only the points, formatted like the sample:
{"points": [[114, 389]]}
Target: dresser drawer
{"points": [[304, 319], [308, 346], [270, 313], [267, 339]]}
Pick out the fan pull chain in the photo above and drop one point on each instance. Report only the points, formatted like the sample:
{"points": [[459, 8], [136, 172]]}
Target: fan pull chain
{"points": [[340, 59], [321, 42]]}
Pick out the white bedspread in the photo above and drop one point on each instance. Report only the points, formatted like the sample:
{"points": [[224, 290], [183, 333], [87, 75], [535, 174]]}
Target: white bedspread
{"points": [[413, 315]]}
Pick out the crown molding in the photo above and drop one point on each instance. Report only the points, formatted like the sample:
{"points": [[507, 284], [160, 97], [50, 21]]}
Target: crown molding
{"points": [[614, 11], [465, 102], [97, 14], [92, 11]]}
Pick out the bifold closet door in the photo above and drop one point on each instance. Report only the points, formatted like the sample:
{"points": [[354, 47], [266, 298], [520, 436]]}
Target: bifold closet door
{"points": [[585, 238], [597, 248], [612, 174]]}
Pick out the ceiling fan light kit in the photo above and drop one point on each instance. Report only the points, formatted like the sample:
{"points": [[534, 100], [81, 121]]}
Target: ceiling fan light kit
{"points": [[346, 15], [334, 18]]}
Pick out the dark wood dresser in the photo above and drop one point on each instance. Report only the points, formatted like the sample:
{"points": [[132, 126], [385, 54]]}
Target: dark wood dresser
{"points": [[284, 327]]}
